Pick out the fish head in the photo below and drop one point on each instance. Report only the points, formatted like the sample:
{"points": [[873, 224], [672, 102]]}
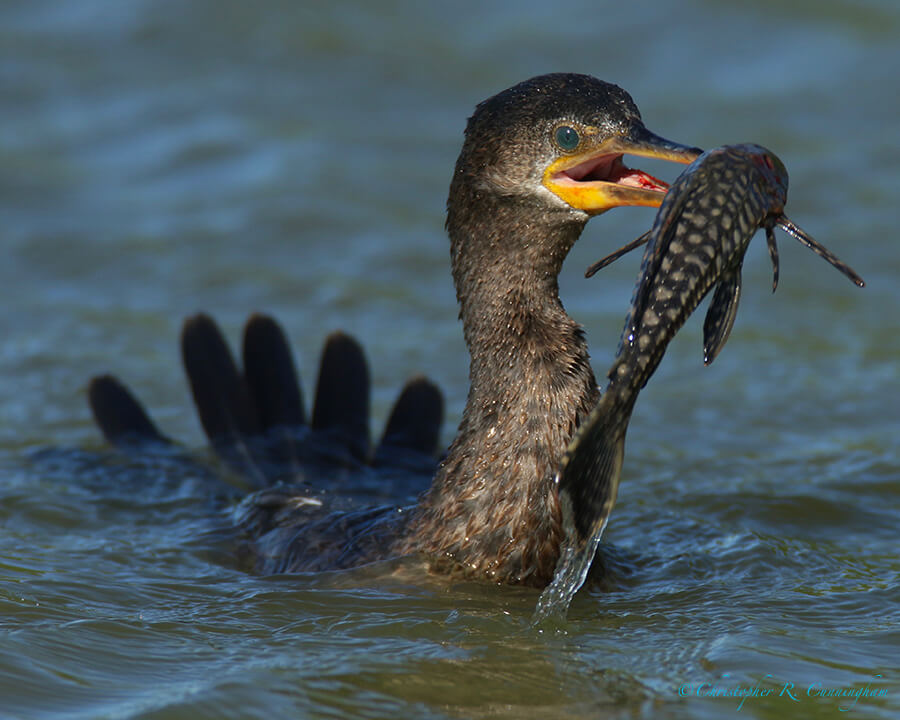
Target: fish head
{"points": [[772, 175]]}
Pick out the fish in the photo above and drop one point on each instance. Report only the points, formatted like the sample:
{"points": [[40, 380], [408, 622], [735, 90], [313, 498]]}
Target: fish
{"points": [[696, 245]]}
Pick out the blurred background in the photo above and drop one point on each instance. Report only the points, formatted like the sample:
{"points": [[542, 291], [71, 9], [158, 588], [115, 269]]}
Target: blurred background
{"points": [[161, 158], [158, 158]]}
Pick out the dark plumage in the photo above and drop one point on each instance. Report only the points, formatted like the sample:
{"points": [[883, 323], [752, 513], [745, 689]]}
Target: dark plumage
{"points": [[537, 162]]}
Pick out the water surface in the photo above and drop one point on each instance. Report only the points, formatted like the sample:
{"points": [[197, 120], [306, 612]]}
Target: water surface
{"points": [[158, 158]]}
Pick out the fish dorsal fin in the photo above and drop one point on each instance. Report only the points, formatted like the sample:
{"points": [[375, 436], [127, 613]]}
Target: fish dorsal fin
{"points": [[721, 313]]}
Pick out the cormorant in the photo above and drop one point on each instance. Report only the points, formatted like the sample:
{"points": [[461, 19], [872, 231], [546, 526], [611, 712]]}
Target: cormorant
{"points": [[538, 161]]}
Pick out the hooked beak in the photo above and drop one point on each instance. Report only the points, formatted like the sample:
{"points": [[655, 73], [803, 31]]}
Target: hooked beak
{"points": [[596, 180]]}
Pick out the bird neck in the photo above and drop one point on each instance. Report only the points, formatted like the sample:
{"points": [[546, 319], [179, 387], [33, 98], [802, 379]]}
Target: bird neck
{"points": [[492, 508]]}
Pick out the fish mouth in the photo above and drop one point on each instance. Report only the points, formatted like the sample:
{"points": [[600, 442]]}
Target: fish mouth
{"points": [[597, 179]]}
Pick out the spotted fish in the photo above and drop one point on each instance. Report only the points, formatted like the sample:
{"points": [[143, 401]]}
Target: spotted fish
{"points": [[697, 243]]}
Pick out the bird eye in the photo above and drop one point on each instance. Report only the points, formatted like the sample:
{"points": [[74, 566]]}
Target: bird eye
{"points": [[567, 137]]}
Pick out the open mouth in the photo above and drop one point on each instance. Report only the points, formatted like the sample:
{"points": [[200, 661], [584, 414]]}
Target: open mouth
{"points": [[598, 180], [609, 169]]}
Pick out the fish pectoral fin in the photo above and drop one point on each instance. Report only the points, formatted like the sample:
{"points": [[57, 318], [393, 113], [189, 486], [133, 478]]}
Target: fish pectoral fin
{"points": [[721, 313], [773, 254], [612, 257], [823, 252]]}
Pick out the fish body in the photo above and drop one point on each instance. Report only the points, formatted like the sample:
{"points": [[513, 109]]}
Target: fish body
{"points": [[697, 244]]}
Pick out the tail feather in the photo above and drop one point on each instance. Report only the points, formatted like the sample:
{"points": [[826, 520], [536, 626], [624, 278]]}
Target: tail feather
{"points": [[121, 418], [271, 375], [342, 394], [415, 421], [220, 393], [275, 391], [255, 419]]}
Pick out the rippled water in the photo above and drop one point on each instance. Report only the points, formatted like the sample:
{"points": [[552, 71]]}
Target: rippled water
{"points": [[157, 158]]}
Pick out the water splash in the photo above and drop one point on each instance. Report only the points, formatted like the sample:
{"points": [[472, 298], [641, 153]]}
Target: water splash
{"points": [[571, 572]]}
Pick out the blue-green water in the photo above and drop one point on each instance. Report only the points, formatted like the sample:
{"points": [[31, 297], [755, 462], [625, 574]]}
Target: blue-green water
{"points": [[157, 158]]}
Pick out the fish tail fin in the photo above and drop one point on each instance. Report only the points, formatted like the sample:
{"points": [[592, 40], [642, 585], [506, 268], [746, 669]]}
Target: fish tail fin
{"points": [[589, 474], [588, 481]]}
